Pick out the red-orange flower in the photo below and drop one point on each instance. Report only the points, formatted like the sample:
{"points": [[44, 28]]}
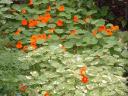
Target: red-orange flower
{"points": [[61, 8], [59, 23], [30, 2], [23, 87], [75, 19], [84, 79], [23, 11], [101, 28], [24, 22], [46, 94], [19, 45]]}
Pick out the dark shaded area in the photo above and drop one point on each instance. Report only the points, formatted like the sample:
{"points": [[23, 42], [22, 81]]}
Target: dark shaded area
{"points": [[119, 9]]}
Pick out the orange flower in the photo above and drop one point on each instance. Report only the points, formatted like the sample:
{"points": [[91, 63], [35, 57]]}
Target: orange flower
{"points": [[19, 45], [94, 32], [49, 8], [32, 23], [61, 8], [75, 19], [114, 28], [59, 23], [84, 79], [46, 94], [109, 32], [45, 18], [73, 32], [101, 28], [43, 36], [33, 44], [47, 15], [24, 22], [23, 87], [82, 71], [17, 32], [30, 2], [33, 38], [23, 11]]}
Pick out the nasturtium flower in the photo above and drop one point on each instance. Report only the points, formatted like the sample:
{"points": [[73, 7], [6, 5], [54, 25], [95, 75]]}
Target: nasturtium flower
{"points": [[33, 45], [109, 32], [61, 8], [82, 71], [30, 2], [73, 32], [17, 32], [84, 79], [59, 23], [32, 23], [49, 36], [94, 32], [44, 18], [114, 28], [49, 8], [24, 22], [19, 45], [75, 19], [46, 93], [51, 30], [25, 48], [23, 11], [23, 87], [101, 28]]}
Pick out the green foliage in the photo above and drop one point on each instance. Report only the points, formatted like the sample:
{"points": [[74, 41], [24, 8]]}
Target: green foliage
{"points": [[58, 72]]}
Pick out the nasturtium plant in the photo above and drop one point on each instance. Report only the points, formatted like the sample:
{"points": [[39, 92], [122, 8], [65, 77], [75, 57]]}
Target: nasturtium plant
{"points": [[59, 48]]}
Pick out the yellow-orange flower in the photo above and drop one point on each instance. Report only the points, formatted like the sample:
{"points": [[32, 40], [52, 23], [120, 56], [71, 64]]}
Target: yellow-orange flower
{"points": [[82, 71], [114, 28], [51, 30]]}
